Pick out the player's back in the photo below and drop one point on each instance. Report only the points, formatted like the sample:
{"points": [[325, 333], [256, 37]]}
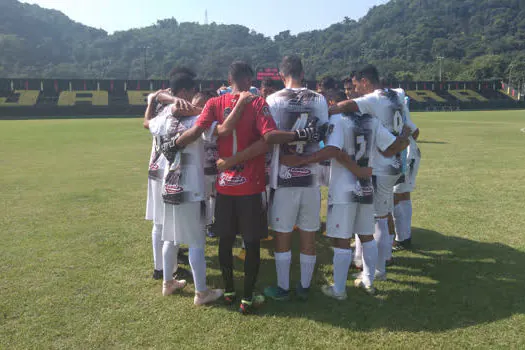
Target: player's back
{"points": [[288, 105], [387, 105]]}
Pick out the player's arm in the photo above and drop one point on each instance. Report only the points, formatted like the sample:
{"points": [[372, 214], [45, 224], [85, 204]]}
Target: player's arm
{"points": [[348, 106], [205, 121], [227, 127], [150, 109], [312, 133], [415, 135], [254, 150], [401, 142]]}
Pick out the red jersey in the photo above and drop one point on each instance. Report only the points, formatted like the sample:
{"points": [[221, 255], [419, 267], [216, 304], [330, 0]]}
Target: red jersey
{"points": [[249, 177]]}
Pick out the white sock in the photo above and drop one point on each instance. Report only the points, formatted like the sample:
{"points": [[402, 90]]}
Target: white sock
{"points": [[358, 257], [391, 243], [282, 265], [169, 259], [210, 210], [408, 214], [198, 267], [307, 269], [342, 261], [369, 262], [156, 239], [381, 237], [403, 220]]}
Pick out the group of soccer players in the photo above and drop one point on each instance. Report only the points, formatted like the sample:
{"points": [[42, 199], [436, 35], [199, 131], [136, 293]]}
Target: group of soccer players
{"points": [[237, 163]]}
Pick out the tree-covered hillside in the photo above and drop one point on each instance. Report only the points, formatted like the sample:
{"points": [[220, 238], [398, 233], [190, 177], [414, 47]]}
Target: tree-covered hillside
{"points": [[478, 39]]}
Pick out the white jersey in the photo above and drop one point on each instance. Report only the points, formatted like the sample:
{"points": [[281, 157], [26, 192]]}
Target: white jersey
{"points": [[157, 161], [189, 163], [292, 109], [390, 108], [358, 136]]}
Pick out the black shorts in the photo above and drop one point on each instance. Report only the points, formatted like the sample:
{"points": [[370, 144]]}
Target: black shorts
{"points": [[244, 215]]}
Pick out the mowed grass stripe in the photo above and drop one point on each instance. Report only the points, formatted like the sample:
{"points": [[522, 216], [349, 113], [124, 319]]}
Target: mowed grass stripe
{"points": [[76, 252]]}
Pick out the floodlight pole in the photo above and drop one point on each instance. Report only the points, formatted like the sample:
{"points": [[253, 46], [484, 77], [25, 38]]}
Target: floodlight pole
{"points": [[440, 59]]}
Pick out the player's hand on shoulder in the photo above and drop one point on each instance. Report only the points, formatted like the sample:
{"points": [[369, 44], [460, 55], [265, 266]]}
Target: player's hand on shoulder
{"points": [[181, 107], [364, 173], [245, 97]]}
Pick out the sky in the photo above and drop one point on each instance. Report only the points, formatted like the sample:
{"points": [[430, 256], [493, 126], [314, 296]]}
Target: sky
{"points": [[266, 16]]}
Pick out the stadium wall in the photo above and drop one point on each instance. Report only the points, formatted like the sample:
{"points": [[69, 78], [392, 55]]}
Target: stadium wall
{"points": [[41, 98]]}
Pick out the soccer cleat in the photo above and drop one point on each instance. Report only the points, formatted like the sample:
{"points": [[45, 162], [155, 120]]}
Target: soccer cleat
{"points": [[301, 292], [207, 297], [169, 287], [397, 246], [182, 259], [158, 274], [182, 274], [358, 283], [381, 277], [390, 262], [229, 298], [249, 306], [277, 293], [329, 291]]}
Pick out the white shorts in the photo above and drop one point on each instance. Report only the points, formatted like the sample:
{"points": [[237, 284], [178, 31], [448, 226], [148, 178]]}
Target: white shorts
{"points": [[343, 220], [384, 194], [154, 203], [296, 206], [185, 224], [410, 177]]}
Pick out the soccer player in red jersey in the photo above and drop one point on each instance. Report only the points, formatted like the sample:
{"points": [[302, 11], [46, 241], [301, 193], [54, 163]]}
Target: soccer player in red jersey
{"points": [[241, 203]]}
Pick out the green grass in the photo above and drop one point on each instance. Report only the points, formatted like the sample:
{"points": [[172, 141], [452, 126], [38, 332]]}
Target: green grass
{"points": [[75, 258]]}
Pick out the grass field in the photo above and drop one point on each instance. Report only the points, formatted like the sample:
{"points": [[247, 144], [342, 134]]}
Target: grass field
{"points": [[75, 259]]}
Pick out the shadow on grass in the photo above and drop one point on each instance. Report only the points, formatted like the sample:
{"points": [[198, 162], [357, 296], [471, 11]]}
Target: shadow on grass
{"points": [[444, 283]]}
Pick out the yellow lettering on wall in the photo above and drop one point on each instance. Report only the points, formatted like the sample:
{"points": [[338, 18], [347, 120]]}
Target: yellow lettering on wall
{"points": [[95, 98], [467, 95], [138, 98], [22, 98], [424, 96]]}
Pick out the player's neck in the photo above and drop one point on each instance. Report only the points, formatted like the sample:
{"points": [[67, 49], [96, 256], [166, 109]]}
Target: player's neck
{"points": [[238, 89], [293, 84]]}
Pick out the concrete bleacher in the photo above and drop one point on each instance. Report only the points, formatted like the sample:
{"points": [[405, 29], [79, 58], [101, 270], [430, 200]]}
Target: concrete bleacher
{"points": [[55, 97]]}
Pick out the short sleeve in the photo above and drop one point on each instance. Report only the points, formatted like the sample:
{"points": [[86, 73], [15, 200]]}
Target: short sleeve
{"points": [[208, 135], [408, 121], [263, 119], [365, 104], [336, 137], [208, 115], [322, 110], [384, 138], [157, 125]]}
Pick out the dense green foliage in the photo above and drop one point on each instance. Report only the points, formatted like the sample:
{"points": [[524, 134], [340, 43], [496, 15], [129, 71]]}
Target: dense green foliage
{"points": [[479, 39]]}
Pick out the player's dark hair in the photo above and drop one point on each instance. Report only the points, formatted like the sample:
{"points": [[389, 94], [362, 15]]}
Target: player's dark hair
{"points": [[181, 81], [368, 72], [291, 66], [239, 70], [328, 83], [337, 96], [182, 70]]}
